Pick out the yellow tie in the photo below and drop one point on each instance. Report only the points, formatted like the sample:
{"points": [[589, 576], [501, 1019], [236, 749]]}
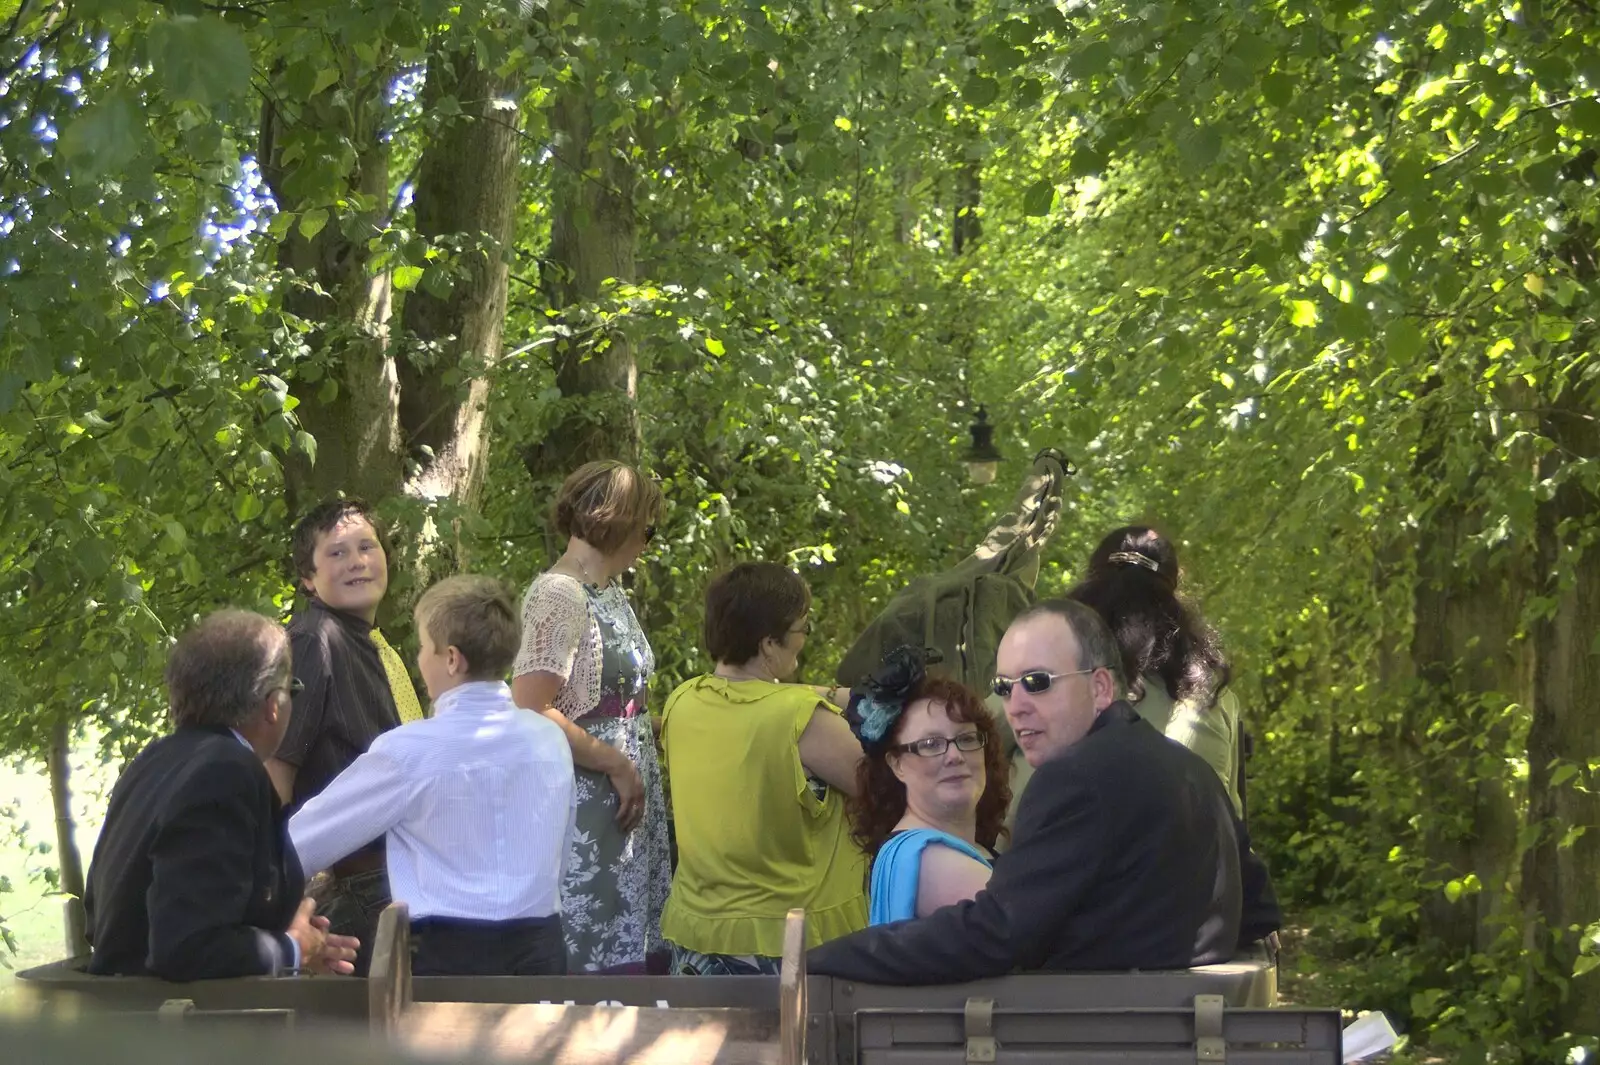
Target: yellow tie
{"points": [[405, 696]]}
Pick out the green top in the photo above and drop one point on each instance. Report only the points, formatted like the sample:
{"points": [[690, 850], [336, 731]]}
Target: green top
{"points": [[1212, 732], [754, 840]]}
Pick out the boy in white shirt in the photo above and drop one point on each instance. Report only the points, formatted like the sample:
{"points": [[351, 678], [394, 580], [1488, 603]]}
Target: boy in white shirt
{"points": [[477, 801]]}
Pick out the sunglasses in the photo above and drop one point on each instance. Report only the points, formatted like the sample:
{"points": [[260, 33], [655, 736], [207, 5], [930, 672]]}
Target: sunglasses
{"points": [[935, 746], [1034, 681], [649, 533]]}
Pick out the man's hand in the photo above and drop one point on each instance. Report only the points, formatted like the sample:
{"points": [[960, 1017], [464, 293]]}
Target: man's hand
{"points": [[307, 933], [338, 952], [629, 786], [321, 951]]}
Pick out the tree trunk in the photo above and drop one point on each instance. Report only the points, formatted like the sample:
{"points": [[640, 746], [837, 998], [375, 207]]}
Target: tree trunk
{"points": [[401, 413], [69, 860], [593, 239], [347, 393], [1468, 663], [1561, 871], [466, 195]]}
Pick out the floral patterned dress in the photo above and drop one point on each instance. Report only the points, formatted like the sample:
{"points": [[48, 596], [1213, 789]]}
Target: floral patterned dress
{"points": [[616, 885]]}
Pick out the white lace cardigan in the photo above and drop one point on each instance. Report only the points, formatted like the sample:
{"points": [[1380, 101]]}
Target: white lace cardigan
{"points": [[561, 635]]}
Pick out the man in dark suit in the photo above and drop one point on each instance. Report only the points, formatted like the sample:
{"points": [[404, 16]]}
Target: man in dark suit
{"points": [[193, 878], [1126, 852]]}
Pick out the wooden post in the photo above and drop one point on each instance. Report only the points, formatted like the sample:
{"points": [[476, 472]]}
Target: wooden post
{"points": [[389, 980], [792, 992]]}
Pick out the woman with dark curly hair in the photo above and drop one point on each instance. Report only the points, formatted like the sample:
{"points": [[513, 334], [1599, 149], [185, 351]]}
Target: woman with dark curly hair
{"points": [[1173, 659], [932, 792]]}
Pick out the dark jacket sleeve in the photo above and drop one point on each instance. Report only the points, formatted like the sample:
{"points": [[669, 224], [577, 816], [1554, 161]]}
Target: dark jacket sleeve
{"points": [[203, 879], [1013, 923], [1260, 915], [309, 655]]}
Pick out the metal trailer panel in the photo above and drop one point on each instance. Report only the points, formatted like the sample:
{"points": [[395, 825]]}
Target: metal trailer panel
{"points": [[1082, 1037], [1243, 983]]}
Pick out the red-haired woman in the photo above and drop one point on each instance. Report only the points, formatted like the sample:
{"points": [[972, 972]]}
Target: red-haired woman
{"points": [[932, 791]]}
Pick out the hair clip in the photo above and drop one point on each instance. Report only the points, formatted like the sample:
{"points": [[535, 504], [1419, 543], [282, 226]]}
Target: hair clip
{"points": [[1133, 558]]}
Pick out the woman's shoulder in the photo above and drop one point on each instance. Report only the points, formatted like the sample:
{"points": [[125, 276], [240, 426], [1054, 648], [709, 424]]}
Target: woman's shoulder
{"points": [[710, 688], [552, 590]]}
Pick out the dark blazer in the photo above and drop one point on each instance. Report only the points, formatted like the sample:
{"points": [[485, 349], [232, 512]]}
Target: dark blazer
{"points": [[193, 877], [1124, 856]]}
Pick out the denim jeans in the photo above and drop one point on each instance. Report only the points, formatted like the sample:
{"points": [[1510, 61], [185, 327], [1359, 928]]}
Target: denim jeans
{"points": [[352, 905]]}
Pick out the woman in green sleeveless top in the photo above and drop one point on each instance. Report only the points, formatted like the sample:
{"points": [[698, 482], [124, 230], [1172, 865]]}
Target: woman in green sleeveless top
{"points": [[759, 770]]}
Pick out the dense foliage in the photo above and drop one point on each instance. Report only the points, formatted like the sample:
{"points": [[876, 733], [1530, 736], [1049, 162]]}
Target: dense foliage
{"points": [[1312, 285]]}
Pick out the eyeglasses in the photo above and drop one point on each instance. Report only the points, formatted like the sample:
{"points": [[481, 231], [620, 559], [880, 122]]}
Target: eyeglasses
{"points": [[935, 746], [1034, 681], [294, 687], [804, 629]]}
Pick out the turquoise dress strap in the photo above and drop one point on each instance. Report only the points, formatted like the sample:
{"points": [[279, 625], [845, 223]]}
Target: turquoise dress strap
{"points": [[898, 868]]}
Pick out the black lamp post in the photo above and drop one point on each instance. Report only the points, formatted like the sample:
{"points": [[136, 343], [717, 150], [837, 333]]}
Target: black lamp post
{"points": [[982, 458]]}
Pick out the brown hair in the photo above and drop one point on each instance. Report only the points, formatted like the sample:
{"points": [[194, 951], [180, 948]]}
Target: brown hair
{"points": [[747, 604], [880, 799], [220, 671], [474, 615], [604, 503], [321, 520]]}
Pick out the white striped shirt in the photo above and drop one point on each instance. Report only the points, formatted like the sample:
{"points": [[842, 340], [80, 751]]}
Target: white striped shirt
{"points": [[478, 803]]}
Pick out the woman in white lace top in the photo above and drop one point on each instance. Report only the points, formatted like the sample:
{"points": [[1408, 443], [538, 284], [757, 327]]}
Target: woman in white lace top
{"points": [[585, 664]]}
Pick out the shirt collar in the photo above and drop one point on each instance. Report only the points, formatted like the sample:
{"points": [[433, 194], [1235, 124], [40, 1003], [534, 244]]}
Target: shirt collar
{"points": [[1117, 711], [358, 625], [475, 696], [240, 737]]}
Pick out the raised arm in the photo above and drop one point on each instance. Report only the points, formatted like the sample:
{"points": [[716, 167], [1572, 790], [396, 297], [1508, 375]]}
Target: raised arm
{"points": [[358, 806], [555, 615], [830, 750]]}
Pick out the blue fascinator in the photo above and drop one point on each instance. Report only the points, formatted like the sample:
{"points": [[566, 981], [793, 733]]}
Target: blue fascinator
{"points": [[877, 702]]}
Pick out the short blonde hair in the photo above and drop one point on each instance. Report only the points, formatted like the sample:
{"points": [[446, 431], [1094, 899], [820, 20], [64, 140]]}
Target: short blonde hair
{"points": [[476, 616], [605, 503]]}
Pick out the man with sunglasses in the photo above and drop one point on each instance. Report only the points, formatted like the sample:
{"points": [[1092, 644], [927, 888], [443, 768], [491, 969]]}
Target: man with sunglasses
{"points": [[192, 877], [1126, 853]]}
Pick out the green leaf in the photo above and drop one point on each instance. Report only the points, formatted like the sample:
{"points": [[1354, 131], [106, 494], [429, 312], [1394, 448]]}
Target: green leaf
{"points": [[980, 91], [312, 222], [1404, 340], [247, 506], [199, 59], [1277, 88], [715, 346], [105, 137], [1039, 198], [1585, 115], [1200, 145], [406, 277], [1303, 313], [327, 77]]}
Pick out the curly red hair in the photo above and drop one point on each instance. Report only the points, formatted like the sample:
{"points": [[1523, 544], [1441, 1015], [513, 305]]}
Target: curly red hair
{"points": [[880, 799]]}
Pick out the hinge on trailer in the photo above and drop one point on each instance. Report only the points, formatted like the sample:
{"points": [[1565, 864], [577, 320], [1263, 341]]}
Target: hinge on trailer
{"points": [[1209, 1045], [978, 1020]]}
